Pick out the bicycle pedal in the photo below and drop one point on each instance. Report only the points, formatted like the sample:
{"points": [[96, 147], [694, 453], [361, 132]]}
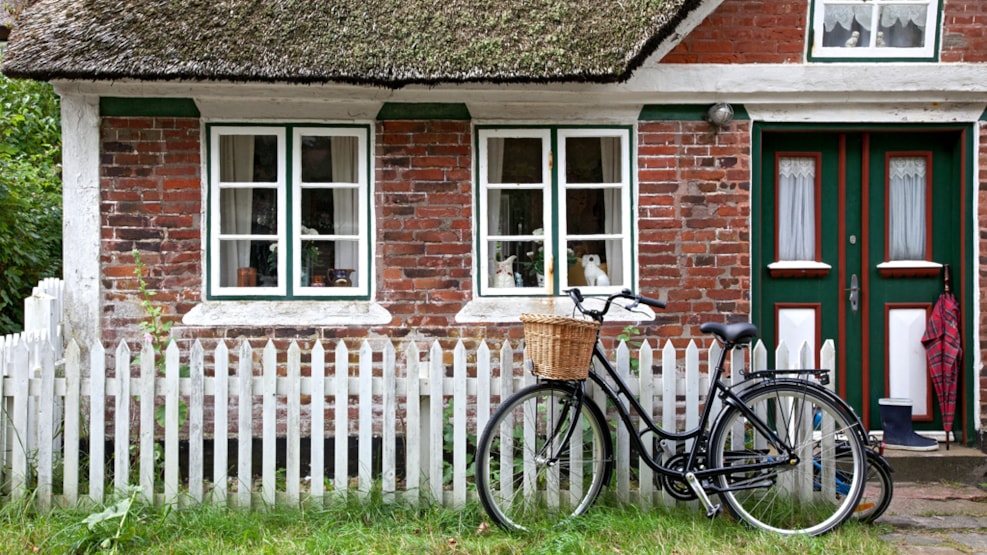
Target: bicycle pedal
{"points": [[714, 512]]}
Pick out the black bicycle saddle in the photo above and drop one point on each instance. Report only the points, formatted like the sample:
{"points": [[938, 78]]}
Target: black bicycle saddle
{"points": [[737, 333]]}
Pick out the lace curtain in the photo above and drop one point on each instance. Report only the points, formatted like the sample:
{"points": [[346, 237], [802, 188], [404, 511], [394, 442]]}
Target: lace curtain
{"points": [[906, 220], [844, 15], [796, 209]]}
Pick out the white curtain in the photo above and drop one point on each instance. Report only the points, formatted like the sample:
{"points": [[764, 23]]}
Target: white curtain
{"points": [[612, 217], [796, 209], [495, 173], [890, 14], [906, 225], [236, 205], [345, 202]]}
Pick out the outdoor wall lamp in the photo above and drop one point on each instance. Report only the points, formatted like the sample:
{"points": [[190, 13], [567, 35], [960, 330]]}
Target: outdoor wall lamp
{"points": [[718, 115]]}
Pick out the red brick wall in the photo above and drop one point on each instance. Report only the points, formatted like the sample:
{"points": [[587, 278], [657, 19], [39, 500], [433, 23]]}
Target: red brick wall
{"points": [[424, 207], [964, 36], [761, 32], [747, 32], [694, 226], [693, 212], [151, 198]]}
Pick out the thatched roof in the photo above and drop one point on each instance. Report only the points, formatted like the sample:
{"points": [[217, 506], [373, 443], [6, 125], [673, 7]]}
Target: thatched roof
{"points": [[387, 43]]}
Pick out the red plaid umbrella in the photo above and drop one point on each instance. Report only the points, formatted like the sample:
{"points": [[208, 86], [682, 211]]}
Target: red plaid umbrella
{"points": [[943, 348]]}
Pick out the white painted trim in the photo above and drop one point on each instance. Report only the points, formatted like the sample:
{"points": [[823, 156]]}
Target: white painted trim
{"points": [[287, 313], [81, 217], [504, 309], [799, 265], [909, 265]]}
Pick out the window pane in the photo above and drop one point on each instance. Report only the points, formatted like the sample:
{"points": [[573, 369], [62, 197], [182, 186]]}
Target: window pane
{"points": [[600, 261], [592, 160], [248, 158], [906, 220], [514, 160], [248, 263], [847, 26], [515, 212], [902, 26], [517, 264], [248, 212], [586, 211], [796, 208], [329, 159]]}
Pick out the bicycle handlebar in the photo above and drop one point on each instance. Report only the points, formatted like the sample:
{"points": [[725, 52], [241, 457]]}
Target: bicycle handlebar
{"points": [[577, 298]]}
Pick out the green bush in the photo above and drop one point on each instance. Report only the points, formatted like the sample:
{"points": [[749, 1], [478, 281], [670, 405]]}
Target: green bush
{"points": [[30, 194]]}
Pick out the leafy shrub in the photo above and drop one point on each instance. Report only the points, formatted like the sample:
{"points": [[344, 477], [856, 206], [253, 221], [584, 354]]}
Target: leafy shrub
{"points": [[30, 194]]}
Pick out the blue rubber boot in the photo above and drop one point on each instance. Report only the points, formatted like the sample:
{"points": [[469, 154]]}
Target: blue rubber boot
{"points": [[896, 420]]}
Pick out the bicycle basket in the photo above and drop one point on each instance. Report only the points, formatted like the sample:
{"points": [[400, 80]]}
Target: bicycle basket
{"points": [[559, 348]]}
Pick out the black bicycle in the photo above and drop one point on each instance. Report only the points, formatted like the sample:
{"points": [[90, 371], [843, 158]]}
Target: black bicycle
{"points": [[773, 454]]}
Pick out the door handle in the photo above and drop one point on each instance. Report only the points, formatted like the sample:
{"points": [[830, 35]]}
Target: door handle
{"points": [[854, 293]]}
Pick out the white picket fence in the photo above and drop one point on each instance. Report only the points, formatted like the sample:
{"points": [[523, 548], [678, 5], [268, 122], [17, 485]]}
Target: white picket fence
{"points": [[62, 416]]}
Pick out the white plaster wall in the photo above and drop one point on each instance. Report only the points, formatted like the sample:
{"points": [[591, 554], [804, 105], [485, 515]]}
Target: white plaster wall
{"points": [[80, 216]]}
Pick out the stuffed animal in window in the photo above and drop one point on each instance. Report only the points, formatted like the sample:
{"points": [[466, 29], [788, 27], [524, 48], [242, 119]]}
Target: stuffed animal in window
{"points": [[504, 277], [591, 269]]}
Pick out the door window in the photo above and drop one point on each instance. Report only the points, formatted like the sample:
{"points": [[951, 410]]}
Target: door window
{"points": [[909, 209], [798, 191]]}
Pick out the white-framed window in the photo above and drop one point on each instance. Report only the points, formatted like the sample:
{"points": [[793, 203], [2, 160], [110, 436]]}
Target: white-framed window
{"points": [[869, 29], [554, 210], [288, 211]]}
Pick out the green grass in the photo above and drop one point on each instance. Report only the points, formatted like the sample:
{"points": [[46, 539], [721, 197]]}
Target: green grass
{"points": [[370, 527]]}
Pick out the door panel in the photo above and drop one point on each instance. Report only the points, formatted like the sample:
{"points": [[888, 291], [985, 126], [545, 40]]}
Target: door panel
{"points": [[888, 217]]}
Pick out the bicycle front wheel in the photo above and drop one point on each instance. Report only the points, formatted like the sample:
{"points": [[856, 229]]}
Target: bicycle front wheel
{"points": [[543, 457], [811, 494]]}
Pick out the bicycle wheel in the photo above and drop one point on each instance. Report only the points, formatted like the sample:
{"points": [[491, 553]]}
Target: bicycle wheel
{"points": [[541, 459], [877, 491], [788, 498]]}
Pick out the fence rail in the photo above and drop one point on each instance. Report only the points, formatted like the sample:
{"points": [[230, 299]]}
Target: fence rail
{"points": [[409, 422]]}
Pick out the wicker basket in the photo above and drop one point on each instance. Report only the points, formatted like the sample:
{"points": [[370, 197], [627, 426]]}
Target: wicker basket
{"points": [[559, 348]]}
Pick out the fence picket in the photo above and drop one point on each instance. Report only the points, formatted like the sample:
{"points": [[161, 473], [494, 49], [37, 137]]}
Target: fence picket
{"points": [[389, 421], [413, 426], [46, 426], [340, 420], [195, 422], [70, 469], [365, 420], [293, 426], [244, 475], [145, 389], [623, 445], [19, 461], [434, 422], [220, 422], [459, 426], [121, 428], [269, 397], [646, 384], [318, 465], [97, 417], [172, 424]]}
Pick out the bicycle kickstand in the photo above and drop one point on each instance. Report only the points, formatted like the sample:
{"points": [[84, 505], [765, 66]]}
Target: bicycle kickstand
{"points": [[711, 509]]}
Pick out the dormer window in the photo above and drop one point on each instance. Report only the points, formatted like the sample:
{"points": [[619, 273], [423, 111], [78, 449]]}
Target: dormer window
{"points": [[867, 29]]}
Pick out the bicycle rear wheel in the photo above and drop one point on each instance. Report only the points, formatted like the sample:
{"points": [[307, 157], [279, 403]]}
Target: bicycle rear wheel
{"points": [[800, 498], [543, 457], [877, 491]]}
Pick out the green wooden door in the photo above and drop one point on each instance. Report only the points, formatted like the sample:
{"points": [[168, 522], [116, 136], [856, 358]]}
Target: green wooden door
{"points": [[853, 231]]}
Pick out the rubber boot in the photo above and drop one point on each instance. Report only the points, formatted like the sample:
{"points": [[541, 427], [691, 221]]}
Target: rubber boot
{"points": [[896, 420]]}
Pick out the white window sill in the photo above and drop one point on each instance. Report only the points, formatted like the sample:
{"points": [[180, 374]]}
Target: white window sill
{"points": [[509, 310], [799, 265], [909, 265], [285, 313]]}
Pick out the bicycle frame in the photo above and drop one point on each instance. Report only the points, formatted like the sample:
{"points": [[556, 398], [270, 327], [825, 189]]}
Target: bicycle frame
{"points": [[716, 388]]}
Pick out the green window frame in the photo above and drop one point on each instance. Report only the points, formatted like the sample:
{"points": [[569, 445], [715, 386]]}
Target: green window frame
{"points": [[554, 193], [289, 212]]}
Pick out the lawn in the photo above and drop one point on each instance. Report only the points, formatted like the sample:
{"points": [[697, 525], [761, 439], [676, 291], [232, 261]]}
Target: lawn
{"points": [[370, 527]]}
